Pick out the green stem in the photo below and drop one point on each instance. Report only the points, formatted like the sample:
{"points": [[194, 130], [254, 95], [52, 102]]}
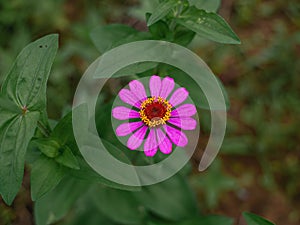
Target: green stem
{"points": [[178, 12]]}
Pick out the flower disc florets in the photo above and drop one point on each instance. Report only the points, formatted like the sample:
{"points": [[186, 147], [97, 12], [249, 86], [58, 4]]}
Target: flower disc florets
{"points": [[155, 111]]}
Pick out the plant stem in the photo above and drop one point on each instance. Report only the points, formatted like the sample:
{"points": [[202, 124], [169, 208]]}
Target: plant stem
{"points": [[178, 12]]}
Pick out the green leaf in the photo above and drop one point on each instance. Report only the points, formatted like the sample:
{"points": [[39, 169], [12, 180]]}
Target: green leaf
{"points": [[67, 158], [45, 175], [184, 37], [208, 5], [171, 199], [8, 106], [26, 82], [47, 146], [15, 135], [105, 37], [208, 25], [63, 133], [112, 201], [159, 30], [253, 219], [135, 68], [161, 11], [56, 204]]}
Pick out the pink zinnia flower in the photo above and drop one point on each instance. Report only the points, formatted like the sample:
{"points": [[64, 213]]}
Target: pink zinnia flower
{"points": [[158, 118]]}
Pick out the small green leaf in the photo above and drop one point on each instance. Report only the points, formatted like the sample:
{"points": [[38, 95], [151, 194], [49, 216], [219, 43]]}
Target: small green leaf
{"points": [[47, 146], [208, 5], [15, 135], [208, 25], [26, 82], [159, 30], [56, 204], [63, 133], [45, 175], [161, 11], [67, 158], [253, 219], [109, 201], [171, 199], [184, 37]]}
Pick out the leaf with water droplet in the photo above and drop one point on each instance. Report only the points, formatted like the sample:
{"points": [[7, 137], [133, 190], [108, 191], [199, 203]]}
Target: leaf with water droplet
{"points": [[26, 82], [208, 25]]}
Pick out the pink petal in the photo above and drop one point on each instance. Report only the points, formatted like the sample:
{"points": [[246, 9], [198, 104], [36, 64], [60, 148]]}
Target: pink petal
{"points": [[164, 142], [179, 96], [167, 85], [123, 113], [129, 98], [138, 89], [185, 123], [128, 128], [155, 84], [137, 138], [176, 136], [186, 110], [150, 146]]}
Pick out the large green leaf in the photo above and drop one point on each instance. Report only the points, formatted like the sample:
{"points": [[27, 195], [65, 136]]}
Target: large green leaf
{"points": [[161, 11], [26, 82], [56, 204], [109, 201], [22, 101], [15, 135], [45, 175], [208, 25], [253, 219], [171, 199]]}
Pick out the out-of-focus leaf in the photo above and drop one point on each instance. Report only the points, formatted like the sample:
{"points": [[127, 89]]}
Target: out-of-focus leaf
{"points": [[112, 201], [45, 175], [56, 204], [208, 5], [105, 37], [86, 173], [208, 25], [253, 219], [172, 199], [213, 183]]}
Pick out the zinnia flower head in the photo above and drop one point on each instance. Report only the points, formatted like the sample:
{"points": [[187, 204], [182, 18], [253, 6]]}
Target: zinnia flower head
{"points": [[156, 121]]}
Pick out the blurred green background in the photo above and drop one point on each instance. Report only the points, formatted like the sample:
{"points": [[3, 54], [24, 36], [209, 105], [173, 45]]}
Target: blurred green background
{"points": [[258, 168]]}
